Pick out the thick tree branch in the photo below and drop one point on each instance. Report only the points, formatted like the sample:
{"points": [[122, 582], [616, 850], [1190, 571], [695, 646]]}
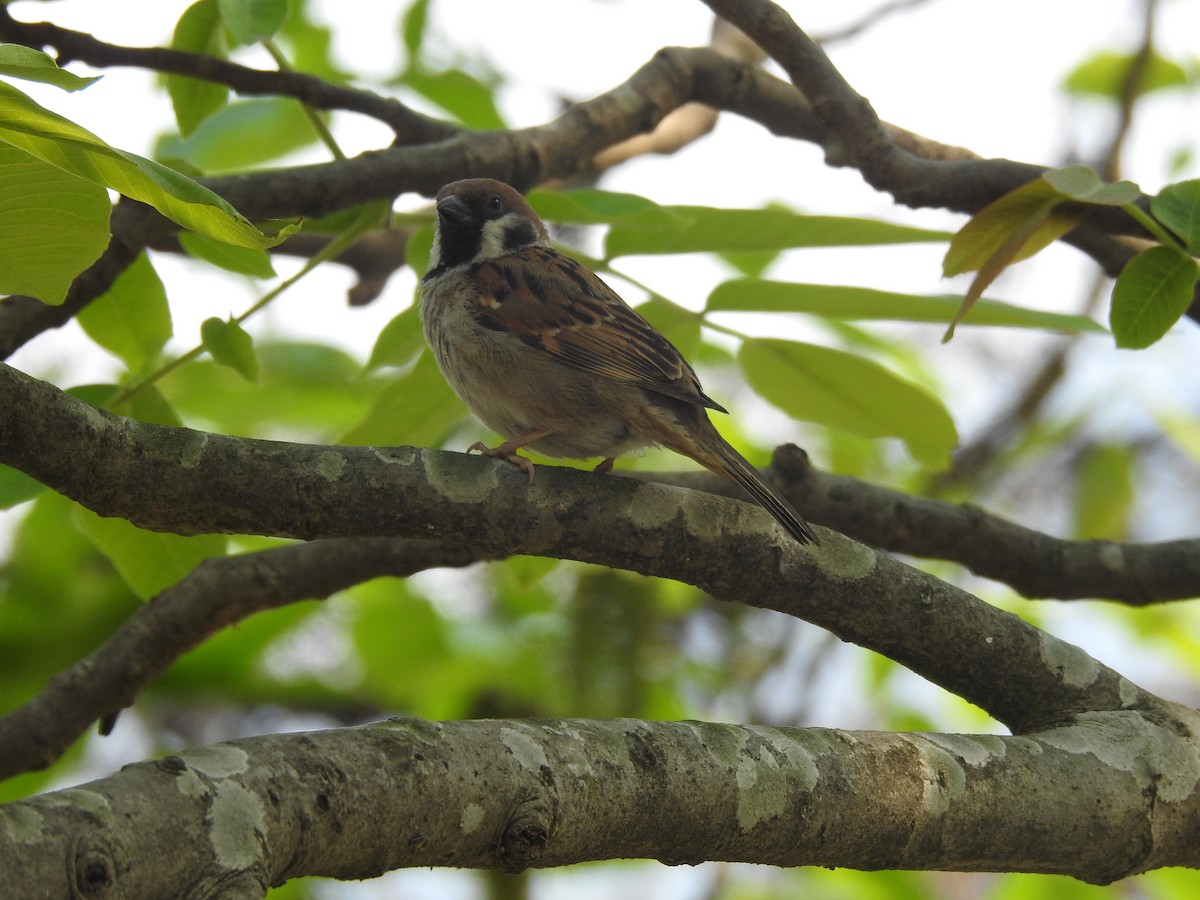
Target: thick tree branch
{"points": [[218, 593], [175, 479], [513, 794]]}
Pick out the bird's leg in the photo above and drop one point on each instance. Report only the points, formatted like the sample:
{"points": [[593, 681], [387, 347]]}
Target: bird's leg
{"points": [[605, 465], [508, 450]]}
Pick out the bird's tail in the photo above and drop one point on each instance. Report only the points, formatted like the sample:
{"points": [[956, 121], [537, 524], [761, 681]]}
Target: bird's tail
{"points": [[728, 463]]}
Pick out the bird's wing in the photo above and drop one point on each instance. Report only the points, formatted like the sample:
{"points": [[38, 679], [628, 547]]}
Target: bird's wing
{"points": [[554, 304]]}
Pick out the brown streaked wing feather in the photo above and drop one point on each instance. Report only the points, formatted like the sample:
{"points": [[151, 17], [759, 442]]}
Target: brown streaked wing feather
{"points": [[553, 303]]}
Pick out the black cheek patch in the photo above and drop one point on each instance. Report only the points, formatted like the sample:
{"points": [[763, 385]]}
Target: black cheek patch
{"points": [[517, 235]]}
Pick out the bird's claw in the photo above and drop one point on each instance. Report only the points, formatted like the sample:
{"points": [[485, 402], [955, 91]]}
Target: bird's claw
{"points": [[505, 452]]}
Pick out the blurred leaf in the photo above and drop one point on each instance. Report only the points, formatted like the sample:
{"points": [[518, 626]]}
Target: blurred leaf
{"points": [[1104, 492], [1178, 207], [53, 225], [596, 207], [251, 21], [198, 31], [148, 405], [848, 302], [466, 98], [752, 264], [17, 61], [242, 260], [231, 346], [416, 251], [1152, 292], [242, 135], [149, 561], [48, 136], [820, 384], [311, 46], [17, 487], [412, 29], [418, 408], [705, 229], [399, 342], [1083, 184], [1105, 74], [132, 319], [305, 391]]}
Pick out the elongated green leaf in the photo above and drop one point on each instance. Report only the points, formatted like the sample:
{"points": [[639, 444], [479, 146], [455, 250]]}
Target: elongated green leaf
{"points": [[242, 260], [53, 225], [839, 301], [470, 100], [17, 61], [48, 136], [230, 345], [242, 135], [1152, 292], [1083, 184], [705, 229], [412, 30], [199, 30], [593, 207], [1178, 207], [989, 230], [251, 21], [147, 560], [132, 319], [848, 392]]}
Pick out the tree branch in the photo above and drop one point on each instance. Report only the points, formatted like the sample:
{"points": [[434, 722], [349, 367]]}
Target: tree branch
{"points": [[512, 794], [410, 127], [189, 482]]}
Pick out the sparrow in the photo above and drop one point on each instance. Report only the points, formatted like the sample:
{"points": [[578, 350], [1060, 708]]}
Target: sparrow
{"points": [[551, 358]]}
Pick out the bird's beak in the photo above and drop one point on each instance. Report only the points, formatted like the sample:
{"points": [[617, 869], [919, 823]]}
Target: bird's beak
{"points": [[453, 209]]}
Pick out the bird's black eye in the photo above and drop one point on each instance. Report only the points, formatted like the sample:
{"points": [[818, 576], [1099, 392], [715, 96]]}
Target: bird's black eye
{"points": [[494, 203]]}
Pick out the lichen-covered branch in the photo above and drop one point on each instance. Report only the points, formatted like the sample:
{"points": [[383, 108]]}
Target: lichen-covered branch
{"points": [[513, 794]]}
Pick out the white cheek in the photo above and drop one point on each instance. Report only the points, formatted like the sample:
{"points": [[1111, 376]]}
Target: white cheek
{"points": [[491, 242], [435, 253]]}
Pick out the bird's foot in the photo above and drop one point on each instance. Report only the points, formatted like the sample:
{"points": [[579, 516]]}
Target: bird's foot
{"points": [[605, 465], [506, 451]]}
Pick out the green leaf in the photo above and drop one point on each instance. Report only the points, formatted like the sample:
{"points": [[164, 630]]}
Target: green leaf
{"points": [[132, 319], [593, 207], [242, 135], [462, 95], [1178, 207], [838, 389], [147, 560], [53, 225], [697, 229], [242, 260], [839, 301], [412, 29], [17, 487], [1152, 292], [1104, 492], [1083, 184], [17, 61], [194, 99], [230, 345], [27, 126], [417, 408], [1105, 75], [399, 342], [251, 21], [988, 231]]}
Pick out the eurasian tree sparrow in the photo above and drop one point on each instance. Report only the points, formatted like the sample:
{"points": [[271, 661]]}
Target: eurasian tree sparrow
{"points": [[548, 355]]}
